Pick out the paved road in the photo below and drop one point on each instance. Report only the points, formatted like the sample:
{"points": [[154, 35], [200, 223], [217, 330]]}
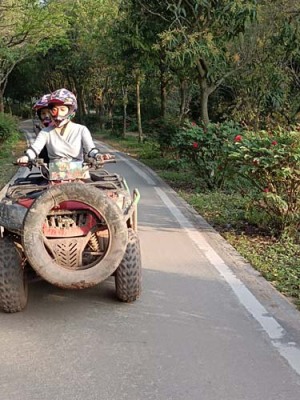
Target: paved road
{"points": [[207, 327]]}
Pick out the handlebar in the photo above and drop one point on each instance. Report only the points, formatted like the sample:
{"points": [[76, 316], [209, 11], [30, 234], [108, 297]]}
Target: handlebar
{"points": [[31, 163], [91, 162]]}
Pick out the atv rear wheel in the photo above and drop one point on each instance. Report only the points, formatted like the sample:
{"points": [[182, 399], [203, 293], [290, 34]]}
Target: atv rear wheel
{"points": [[13, 280], [128, 276]]}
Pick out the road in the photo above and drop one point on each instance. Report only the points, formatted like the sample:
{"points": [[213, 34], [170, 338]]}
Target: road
{"points": [[207, 326]]}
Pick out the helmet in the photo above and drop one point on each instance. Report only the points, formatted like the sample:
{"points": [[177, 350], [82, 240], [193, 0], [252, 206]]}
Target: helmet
{"points": [[42, 102], [63, 97], [39, 105]]}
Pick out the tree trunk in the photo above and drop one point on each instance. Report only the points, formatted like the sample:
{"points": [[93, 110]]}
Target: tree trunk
{"points": [[138, 106], [102, 115], [110, 111], [80, 103], [183, 98], [99, 100], [205, 90], [204, 103], [1, 101], [163, 88], [163, 97], [125, 102]]}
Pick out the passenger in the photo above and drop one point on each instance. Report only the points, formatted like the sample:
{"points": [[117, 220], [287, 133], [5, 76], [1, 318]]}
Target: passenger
{"points": [[43, 114]]}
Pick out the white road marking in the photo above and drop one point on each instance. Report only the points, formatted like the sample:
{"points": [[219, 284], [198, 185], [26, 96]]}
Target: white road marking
{"points": [[290, 351]]}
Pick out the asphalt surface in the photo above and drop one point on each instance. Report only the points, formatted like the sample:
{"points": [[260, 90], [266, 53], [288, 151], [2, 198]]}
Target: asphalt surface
{"points": [[207, 326]]}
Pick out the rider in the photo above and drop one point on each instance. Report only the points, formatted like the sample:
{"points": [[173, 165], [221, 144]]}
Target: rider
{"points": [[64, 139]]}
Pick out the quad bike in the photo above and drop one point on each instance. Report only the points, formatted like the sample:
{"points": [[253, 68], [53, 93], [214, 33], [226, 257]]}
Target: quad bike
{"points": [[70, 231]]}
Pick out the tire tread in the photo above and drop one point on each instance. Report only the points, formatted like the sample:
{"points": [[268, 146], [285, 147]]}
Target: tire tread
{"points": [[128, 275], [13, 289]]}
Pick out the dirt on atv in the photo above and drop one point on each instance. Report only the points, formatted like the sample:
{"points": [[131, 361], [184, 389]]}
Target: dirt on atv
{"points": [[72, 231]]}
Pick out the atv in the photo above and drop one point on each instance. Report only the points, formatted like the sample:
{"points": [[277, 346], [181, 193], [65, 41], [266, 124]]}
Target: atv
{"points": [[72, 224]]}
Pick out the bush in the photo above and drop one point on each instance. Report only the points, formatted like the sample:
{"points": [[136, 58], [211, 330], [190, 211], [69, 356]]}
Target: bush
{"points": [[207, 148], [92, 121], [270, 165], [150, 150], [163, 130], [8, 125]]}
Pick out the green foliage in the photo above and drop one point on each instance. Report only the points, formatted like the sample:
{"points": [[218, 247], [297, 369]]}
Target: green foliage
{"points": [[91, 121], [204, 30], [24, 31], [8, 126], [207, 149], [225, 210], [277, 260], [263, 95], [270, 164], [163, 130], [150, 150]]}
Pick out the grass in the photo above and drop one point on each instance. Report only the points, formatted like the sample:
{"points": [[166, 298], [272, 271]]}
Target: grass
{"points": [[278, 260], [9, 151]]}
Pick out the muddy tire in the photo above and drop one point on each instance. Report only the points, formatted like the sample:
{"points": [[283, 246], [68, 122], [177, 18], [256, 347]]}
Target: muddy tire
{"points": [[128, 276], [13, 280], [33, 239]]}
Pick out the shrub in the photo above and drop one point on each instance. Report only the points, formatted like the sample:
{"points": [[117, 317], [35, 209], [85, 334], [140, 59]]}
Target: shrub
{"points": [[163, 130], [90, 120], [150, 150], [270, 165], [8, 125], [207, 148]]}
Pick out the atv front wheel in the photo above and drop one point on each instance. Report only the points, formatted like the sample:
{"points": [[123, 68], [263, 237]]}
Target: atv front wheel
{"points": [[128, 276], [13, 280]]}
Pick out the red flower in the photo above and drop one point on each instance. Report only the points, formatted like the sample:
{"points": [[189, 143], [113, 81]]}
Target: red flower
{"points": [[238, 138], [266, 190], [274, 143], [195, 145]]}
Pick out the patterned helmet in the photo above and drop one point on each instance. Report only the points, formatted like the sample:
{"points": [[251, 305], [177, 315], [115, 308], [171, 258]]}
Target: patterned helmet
{"points": [[64, 97], [42, 102]]}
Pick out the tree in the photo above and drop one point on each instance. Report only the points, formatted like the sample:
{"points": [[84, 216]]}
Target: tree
{"points": [[202, 36], [24, 30], [268, 92]]}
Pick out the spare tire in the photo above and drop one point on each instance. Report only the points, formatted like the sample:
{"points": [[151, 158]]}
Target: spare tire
{"points": [[45, 264]]}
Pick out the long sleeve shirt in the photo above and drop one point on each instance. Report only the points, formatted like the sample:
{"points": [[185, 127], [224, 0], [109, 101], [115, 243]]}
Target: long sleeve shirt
{"points": [[70, 145]]}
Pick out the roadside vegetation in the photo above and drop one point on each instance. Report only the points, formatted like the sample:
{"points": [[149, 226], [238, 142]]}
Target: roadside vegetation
{"points": [[209, 88], [12, 144], [260, 220]]}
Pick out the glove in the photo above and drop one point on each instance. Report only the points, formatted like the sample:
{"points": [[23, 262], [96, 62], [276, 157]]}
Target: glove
{"points": [[23, 160], [103, 157], [108, 156]]}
